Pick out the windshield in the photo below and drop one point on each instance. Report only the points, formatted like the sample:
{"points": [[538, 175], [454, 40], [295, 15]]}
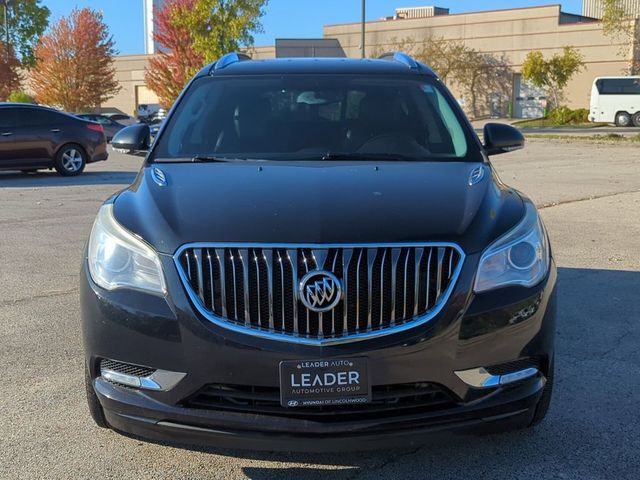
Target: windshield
{"points": [[303, 117]]}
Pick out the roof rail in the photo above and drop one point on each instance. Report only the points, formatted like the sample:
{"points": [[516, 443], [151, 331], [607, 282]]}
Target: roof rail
{"points": [[228, 59], [400, 57]]}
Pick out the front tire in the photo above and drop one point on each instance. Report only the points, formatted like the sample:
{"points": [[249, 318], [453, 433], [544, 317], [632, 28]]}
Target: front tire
{"points": [[95, 409], [636, 119], [70, 160], [623, 119]]}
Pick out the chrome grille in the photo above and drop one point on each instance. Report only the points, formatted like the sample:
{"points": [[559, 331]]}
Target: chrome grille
{"points": [[385, 288]]}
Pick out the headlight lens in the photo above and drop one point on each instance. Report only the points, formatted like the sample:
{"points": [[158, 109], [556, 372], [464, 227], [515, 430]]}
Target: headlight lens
{"points": [[520, 257], [118, 258]]}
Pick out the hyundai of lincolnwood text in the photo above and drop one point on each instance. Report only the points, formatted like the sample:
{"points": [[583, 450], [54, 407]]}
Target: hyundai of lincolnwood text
{"points": [[317, 254]]}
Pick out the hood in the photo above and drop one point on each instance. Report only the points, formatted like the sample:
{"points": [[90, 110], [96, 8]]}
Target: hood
{"points": [[318, 203]]}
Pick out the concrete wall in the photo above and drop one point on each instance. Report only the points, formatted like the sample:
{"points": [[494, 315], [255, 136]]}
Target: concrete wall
{"points": [[130, 74], [594, 8]]}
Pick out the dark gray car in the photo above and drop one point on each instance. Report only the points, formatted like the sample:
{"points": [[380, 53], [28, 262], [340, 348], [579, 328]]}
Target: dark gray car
{"points": [[111, 127], [34, 137]]}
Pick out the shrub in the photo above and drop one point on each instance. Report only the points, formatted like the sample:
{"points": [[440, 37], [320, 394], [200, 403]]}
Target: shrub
{"points": [[566, 116], [20, 97]]}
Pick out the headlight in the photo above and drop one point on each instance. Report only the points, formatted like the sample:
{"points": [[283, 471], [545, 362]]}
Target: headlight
{"points": [[118, 258], [520, 257]]}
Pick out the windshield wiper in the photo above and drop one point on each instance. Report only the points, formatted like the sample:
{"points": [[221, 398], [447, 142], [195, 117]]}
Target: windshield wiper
{"points": [[366, 156], [210, 158]]}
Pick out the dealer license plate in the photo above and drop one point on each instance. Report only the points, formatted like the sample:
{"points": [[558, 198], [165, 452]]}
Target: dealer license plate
{"points": [[337, 381]]}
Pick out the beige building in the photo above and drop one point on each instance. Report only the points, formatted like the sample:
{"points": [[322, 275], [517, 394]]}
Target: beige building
{"points": [[504, 33], [594, 8]]}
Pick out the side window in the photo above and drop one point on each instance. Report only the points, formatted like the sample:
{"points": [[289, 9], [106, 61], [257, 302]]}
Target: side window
{"points": [[619, 86], [12, 117], [448, 118], [39, 118]]}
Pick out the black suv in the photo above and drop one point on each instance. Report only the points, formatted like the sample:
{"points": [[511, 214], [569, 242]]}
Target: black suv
{"points": [[317, 254], [33, 137]]}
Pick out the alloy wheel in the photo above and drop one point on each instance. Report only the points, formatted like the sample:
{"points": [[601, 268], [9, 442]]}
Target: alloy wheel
{"points": [[72, 160]]}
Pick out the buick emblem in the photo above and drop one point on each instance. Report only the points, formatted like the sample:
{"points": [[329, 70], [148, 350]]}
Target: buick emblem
{"points": [[320, 291]]}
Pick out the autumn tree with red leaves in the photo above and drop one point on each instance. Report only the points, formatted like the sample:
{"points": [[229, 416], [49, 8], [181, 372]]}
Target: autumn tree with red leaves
{"points": [[177, 61], [9, 73], [191, 33], [74, 63]]}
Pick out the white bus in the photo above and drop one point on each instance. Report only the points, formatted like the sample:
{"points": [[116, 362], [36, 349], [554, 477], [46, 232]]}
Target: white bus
{"points": [[616, 100]]}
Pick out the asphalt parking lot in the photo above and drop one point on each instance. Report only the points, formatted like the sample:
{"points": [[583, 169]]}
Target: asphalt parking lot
{"points": [[591, 199]]}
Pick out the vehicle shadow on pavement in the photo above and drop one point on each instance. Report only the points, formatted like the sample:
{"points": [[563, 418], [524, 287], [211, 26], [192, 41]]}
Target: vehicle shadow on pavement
{"points": [[52, 179]]}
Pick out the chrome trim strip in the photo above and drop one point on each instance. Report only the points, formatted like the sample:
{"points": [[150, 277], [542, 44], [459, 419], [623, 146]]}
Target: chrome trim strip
{"points": [[268, 260], [199, 260], [244, 261], [405, 284], [416, 298], [358, 289], [235, 286], [333, 311], [257, 268], [285, 337], [384, 257], [395, 255], [211, 280], [439, 273], [160, 380], [292, 256], [347, 254], [223, 280], [371, 259], [480, 378]]}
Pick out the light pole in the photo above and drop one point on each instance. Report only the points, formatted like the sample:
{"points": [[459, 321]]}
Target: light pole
{"points": [[362, 51], [6, 30]]}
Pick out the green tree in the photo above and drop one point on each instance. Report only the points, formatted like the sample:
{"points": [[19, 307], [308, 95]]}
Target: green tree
{"points": [[27, 20], [20, 97], [222, 26], [621, 27], [191, 33], [553, 74]]}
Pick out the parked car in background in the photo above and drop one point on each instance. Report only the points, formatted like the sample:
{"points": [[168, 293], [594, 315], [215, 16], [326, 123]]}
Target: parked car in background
{"points": [[616, 100], [154, 128], [111, 127], [33, 137], [147, 110], [121, 118], [155, 117]]}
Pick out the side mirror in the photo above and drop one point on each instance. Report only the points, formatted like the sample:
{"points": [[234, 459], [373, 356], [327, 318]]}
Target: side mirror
{"points": [[133, 139], [501, 138]]}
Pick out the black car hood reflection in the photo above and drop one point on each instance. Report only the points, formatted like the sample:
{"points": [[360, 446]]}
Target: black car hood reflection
{"points": [[318, 203]]}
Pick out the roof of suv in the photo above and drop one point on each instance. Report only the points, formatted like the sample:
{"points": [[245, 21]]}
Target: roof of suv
{"points": [[239, 64]]}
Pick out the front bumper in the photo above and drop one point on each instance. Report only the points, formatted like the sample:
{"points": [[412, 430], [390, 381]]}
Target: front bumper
{"points": [[137, 414], [471, 331]]}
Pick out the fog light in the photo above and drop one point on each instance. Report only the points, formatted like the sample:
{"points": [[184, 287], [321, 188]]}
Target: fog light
{"points": [[136, 376], [481, 378]]}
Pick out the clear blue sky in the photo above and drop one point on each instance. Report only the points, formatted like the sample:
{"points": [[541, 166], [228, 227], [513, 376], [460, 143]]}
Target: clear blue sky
{"points": [[284, 18]]}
